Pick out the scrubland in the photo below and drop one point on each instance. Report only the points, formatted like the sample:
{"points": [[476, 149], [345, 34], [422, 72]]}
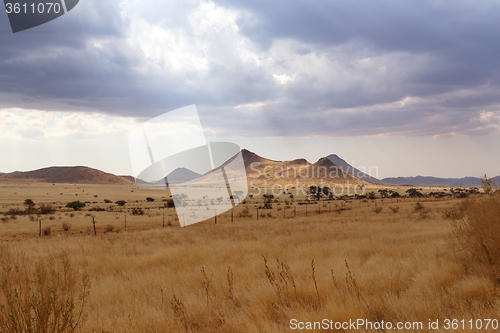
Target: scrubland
{"points": [[394, 262]]}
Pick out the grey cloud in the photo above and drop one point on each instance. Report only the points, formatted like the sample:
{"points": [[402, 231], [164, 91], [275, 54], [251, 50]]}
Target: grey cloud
{"points": [[432, 50]]}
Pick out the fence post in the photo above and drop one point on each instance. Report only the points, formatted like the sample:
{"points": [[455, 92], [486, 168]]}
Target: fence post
{"points": [[232, 213], [93, 222], [40, 228], [125, 222], [163, 220], [306, 210], [257, 213], [294, 211]]}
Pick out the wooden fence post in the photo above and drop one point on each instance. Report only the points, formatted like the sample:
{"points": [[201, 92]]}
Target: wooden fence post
{"points": [[93, 222]]}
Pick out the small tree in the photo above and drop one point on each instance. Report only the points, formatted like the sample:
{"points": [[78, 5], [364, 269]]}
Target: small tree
{"points": [[29, 204], [76, 205]]}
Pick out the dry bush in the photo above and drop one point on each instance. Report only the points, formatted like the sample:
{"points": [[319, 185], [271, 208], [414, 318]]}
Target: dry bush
{"points": [[109, 228], [419, 206], [394, 209], [245, 213], [46, 209], [477, 237], [15, 211], [46, 231], [378, 210], [39, 296], [137, 211], [66, 226]]}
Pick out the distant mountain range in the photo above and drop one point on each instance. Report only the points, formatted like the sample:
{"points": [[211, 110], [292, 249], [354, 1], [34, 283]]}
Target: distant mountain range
{"points": [[438, 182], [353, 171], [330, 170]]}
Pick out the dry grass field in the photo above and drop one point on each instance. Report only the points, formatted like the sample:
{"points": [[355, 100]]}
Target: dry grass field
{"points": [[392, 261]]}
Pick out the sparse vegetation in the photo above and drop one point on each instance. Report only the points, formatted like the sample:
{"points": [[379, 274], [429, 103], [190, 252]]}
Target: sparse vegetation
{"points": [[41, 295], [46, 231], [394, 209], [477, 236], [66, 226], [378, 266], [137, 211]]}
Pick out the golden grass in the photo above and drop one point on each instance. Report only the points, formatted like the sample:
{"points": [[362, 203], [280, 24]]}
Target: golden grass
{"points": [[255, 276]]}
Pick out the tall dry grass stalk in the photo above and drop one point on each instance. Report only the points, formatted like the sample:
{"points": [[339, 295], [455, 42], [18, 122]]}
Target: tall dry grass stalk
{"points": [[40, 296], [476, 234]]}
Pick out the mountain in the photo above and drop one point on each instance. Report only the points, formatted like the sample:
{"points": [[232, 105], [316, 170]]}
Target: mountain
{"points": [[180, 175], [439, 182], [353, 171], [298, 172], [78, 174]]}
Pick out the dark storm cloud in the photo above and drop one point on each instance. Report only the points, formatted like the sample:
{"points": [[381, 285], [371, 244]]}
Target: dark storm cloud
{"points": [[445, 54]]}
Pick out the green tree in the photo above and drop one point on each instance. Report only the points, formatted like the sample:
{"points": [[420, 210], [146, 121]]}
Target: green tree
{"points": [[29, 204], [76, 205]]}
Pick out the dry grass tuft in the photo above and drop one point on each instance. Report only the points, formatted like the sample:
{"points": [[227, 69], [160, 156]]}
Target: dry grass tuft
{"points": [[41, 295]]}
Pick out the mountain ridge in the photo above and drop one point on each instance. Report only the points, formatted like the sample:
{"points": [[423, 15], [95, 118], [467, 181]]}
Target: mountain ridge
{"points": [[257, 167], [65, 174]]}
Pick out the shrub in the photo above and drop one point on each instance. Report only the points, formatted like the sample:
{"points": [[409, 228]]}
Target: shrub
{"points": [[41, 295], [170, 203], [149, 199], [15, 211], [394, 209], [76, 205], [121, 203], [378, 210], [46, 209], [371, 195], [419, 206], [66, 226], [107, 201], [137, 211], [244, 213], [109, 228], [46, 231]]}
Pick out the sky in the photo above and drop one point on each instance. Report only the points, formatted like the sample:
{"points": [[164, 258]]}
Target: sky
{"points": [[406, 88]]}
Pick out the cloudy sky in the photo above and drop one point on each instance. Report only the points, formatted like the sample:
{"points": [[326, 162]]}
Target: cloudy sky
{"points": [[411, 87]]}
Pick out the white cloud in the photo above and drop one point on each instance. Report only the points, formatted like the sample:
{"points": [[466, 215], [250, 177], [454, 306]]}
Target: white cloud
{"points": [[19, 124]]}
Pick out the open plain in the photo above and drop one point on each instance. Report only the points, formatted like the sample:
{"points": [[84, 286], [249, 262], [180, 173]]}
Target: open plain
{"points": [[390, 260]]}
